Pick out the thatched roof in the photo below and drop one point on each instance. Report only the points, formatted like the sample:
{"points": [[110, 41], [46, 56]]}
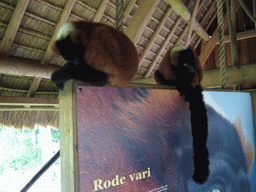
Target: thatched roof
{"points": [[29, 27]]}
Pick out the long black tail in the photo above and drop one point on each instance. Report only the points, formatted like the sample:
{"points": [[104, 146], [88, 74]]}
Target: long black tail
{"points": [[199, 127]]}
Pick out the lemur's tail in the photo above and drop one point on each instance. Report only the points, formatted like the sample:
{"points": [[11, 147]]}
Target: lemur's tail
{"points": [[199, 127]]}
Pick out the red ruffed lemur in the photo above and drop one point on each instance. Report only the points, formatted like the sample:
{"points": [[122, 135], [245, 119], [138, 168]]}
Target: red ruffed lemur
{"points": [[96, 53], [180, 67]]}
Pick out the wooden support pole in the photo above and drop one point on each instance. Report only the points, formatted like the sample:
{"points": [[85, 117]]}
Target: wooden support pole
{"points": [[68, 139]]}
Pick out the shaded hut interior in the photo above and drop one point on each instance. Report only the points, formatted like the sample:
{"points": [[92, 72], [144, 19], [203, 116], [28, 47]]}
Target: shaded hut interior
{"points": [[28, 28]]}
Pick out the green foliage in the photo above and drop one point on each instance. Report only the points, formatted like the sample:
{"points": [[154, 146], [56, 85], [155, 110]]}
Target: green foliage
{"points": [[55, 134], [19, 149]]}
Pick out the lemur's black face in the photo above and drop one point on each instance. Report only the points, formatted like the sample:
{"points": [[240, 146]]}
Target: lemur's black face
{"points": [[186, 65], [73, 53]]}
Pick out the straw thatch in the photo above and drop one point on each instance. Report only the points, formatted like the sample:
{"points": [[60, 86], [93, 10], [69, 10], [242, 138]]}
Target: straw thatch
{"points": [[28, 119], [28, 26]]}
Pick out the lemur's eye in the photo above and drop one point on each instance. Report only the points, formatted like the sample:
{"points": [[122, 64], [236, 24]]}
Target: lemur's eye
{"points": [[185, 64]]}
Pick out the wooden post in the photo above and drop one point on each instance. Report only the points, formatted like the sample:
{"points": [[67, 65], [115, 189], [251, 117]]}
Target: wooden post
{"points": [[68, 139]]}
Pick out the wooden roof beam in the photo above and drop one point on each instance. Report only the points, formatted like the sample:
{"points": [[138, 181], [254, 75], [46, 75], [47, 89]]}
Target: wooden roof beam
{"points": [[101, 11], [153, 64], [23, 101], [13, 27], [34, 86], [129, 8], [209, 46], [155, 35], [48, 54], [162, 48], [244, 75], [23, 67], [241, 36], [63, 19], [182, 10], [140, 19]]}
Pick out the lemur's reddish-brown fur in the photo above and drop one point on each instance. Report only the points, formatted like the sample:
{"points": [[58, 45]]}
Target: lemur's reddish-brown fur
{"points": [[107, 49], [169, 74]]}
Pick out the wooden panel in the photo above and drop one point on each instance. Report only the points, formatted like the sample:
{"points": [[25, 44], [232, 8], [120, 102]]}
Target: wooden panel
{"points": [[68, 146]]}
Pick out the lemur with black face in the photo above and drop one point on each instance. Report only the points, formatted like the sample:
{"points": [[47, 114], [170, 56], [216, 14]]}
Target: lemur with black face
{"points": [[96, 53], [180, 67]]}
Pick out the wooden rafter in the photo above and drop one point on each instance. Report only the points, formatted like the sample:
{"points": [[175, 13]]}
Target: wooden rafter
{"points": [[101, 10], [241, 36], [63, 19], [140, 19], [25, 104], [244, 75], [33, 87], [162, 48], [209, 22], [153, 64], [66, 12], [13, 27], [209, 46], [191, 23], [48, 54], [155, 35], [129, 8], [186, 15]]}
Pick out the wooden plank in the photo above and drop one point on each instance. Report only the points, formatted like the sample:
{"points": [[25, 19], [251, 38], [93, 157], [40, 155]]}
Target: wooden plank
{"points": [[11, 108], [245, 74], [140, 19], [25, 101], [35, 84], [241, 36], [155, 35], [13, 27], [68, 139], [209, 46], [101, 10], [63, 19], [23, 67], [182, 10], [166, 41], [128, 9]]}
